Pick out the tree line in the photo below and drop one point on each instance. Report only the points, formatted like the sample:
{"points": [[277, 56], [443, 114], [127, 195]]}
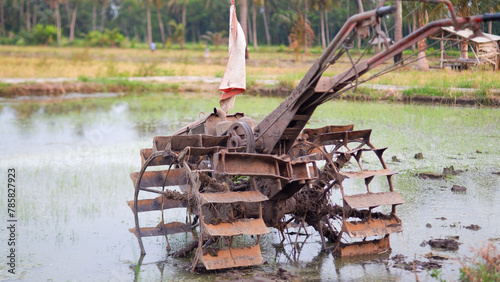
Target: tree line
{"points": [[266, 22]]}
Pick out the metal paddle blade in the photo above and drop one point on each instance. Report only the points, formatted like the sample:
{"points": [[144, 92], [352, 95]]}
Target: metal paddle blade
{"points": [[240, 227], [232, 257], [364, 248], [372, 227]]}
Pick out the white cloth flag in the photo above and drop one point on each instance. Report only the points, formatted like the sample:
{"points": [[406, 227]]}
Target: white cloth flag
{"points": [[234, 79]]}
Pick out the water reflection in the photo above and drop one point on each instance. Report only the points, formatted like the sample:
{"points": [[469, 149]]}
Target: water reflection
{"points": [[74, 158]]}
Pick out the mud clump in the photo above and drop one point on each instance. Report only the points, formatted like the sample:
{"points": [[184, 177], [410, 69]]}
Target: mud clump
{"points": [[434, 256], [445, 244], [429, 175], [447, 172], [415, 265], [457, 188], [284, 274], [473, 227], [280, 275]]}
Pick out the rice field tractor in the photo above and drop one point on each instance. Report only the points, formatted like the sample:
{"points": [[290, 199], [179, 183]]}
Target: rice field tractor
{"points": [[236, 177]]}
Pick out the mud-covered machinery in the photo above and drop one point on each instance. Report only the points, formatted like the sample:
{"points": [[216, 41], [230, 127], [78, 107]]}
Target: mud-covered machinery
{"points": [[236, 177]]}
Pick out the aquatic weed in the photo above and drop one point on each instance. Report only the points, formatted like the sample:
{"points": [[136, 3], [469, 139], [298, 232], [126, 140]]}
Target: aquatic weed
{"points": [[484, 265]]}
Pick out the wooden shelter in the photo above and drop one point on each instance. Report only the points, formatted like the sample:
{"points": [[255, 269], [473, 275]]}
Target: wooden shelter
{"points": [[484, 47]]}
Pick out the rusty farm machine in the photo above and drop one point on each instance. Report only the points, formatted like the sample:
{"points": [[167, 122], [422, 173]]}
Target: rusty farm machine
{"points": [[236, 177]]}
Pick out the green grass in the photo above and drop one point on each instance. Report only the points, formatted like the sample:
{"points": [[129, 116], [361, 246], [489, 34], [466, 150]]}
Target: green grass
{"points": [[131, 86], [102, 65], [426, 91]]}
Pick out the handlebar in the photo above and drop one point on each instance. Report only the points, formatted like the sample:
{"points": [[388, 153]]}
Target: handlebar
{"points": [[384, 11], [491, 17]]}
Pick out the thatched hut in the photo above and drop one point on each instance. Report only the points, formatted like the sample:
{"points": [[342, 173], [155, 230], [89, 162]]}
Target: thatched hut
{"points": [[485, 48]]}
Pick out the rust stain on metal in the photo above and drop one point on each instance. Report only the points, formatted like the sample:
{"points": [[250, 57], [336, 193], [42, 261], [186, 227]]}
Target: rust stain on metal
{"points": [[236, 177], [373, 227], [228, 258], [242, 227], [368, 173], [157, 178], [157, 204], [371, 200], [365, 248], [233, 197], [163, 229]]}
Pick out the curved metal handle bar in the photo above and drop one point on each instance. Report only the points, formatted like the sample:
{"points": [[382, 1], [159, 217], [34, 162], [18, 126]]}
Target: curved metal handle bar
{"points": [[303, 100], [266, 138]]}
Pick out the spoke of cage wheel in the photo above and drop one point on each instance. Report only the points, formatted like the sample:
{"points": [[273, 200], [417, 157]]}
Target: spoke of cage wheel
{"points": [[162, 205], [136, 196]]}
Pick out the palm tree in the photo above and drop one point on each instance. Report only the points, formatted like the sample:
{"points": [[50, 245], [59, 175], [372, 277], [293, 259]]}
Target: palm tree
{"points": [[105, 4], [158, 5], [174, 5], [266, 25], [21, 13], [148, 20], [217, 38], [244, 17], [28, 16], [94, 15], [305, 24], [398, 28], [73, 22], [35, 12], [2, 18], [320, 6], [178, 34], [54, 4], [58, 21], [184, 8], [360, 6], [254, 21], [422, 12], [301, 35]]}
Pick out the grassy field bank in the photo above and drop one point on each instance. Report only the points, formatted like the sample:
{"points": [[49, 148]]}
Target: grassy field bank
{"points": [[271, 70]]}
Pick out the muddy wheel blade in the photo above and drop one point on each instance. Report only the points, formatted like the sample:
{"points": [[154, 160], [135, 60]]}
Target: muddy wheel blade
{"points": [[371, 200], [157, 178], [233, 197], [156, 204], [373, 227], [239, 227], [233, 257], [161, 230], [365, 248]]}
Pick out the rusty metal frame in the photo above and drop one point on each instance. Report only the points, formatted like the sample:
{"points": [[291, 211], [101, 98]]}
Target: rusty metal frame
{"points": [[205, 155]]}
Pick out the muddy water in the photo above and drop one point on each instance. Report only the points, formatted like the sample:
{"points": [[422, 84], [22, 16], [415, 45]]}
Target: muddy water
{"points": [[73, 158]]}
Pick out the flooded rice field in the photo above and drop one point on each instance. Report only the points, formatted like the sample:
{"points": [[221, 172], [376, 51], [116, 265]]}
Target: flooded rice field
{"points": [[73, 158]]}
